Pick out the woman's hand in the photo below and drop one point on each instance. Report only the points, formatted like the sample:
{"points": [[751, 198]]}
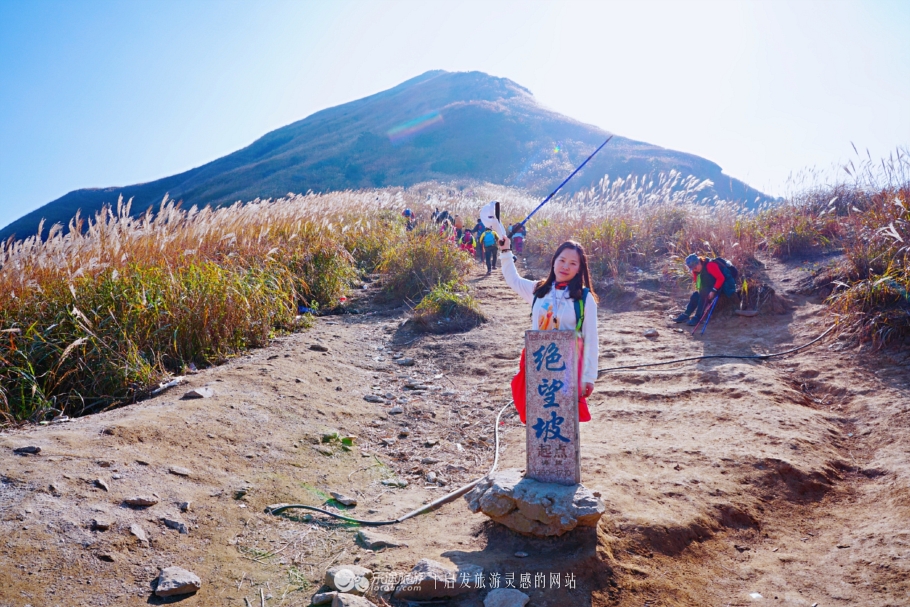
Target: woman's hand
{"points": [[505, 244], [587, 389]]}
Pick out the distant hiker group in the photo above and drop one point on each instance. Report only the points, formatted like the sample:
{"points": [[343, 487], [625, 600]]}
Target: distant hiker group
{"points": [[479, 242]]}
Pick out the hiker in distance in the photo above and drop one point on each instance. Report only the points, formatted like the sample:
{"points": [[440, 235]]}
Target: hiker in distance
{"points": [[564, 301], [711, 277]]}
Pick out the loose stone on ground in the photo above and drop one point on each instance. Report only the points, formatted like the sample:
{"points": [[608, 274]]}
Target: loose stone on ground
{"points": [[199, 393], [323, 598], [427, 580], [343, 499], [139, 532], [372, 540], [506, 597], [351, 600], [176, 580], [348, 578], [141, 501]]}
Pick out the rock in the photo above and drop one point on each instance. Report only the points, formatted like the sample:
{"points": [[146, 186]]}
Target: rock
{"points": [[318, 348], [651, 333], [343, 499], [506, 597], [176, 524], [101, 524], [139, 532], [396, 410], [416, 386], [351, 600], [199, 393], [175, 580], [372, 398], [141, 501], [29, 450], [323, 598], [324, 450], [348, 578], [521, 554], [429, 580], [431, 477], [178, 471], [107, 557], [185, 506], [533, 508], [101, 484], [372, 540], [429, 461], [405, 362], [395, 483], [431, 442], [388, 442]]}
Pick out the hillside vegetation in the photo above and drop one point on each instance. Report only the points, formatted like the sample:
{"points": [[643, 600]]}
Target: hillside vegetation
{"points": [[97, 316], [438, 126]]}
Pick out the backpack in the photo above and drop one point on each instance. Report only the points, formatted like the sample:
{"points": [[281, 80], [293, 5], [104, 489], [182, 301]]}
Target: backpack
{"points": [[579, 305], [489, 238], [730, 272]]}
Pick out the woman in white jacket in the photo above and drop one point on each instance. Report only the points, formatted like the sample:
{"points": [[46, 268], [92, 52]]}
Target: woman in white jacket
{"points": [[553, 307]]}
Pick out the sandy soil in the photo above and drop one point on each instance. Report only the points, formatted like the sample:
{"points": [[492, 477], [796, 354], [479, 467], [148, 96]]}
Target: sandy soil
{"points": [[723, 479]]}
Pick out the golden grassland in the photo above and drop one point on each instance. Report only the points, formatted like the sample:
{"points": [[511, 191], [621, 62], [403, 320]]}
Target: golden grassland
{"points": [[97, 315]]}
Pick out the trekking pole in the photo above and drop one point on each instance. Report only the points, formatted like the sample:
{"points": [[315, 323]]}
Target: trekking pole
{"points": [[710, 312], [559, 187], [704, 315]]}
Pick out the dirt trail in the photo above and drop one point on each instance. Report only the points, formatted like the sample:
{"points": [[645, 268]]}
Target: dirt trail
{"points": [[786, 478]]}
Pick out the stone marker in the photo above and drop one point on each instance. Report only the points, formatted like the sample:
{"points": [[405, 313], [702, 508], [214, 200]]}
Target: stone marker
{"points": [[506, 597], [199, 393], [175, 580], [533, 508], [372, 540], [430, 579], [348, 578], [551, 372]]}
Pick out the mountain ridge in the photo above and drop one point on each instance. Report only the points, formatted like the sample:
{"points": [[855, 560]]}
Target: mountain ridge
{"points": [[436, 126]]}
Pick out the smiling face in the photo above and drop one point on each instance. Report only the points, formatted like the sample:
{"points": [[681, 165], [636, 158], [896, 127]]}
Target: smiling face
{"points": [[566, 265]]}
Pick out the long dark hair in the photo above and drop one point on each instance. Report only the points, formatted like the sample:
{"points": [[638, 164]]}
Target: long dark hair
{"points": [[579, 281]]}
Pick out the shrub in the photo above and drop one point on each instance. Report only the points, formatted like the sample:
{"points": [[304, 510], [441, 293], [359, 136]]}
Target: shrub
{"points": [[417, 263], [447, 308]]}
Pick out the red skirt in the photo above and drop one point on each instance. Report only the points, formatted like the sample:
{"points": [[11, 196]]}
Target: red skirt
{"points": [[519, 387]]}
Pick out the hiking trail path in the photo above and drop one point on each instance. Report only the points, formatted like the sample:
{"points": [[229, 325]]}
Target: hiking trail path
{"points": [[789, 478]]}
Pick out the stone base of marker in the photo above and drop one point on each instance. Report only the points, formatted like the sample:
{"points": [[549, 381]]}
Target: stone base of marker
{"points": [[534, 508]]}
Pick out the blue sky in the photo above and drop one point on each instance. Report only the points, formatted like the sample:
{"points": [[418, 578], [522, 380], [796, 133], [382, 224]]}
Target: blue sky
{"points": [[96, 93]]}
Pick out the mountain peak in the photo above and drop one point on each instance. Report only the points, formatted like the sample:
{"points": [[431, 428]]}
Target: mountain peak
{"points": [[439, 125]]}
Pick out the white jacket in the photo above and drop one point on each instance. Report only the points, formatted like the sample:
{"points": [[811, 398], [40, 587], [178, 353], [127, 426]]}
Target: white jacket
{"points": [[565, 312]]}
